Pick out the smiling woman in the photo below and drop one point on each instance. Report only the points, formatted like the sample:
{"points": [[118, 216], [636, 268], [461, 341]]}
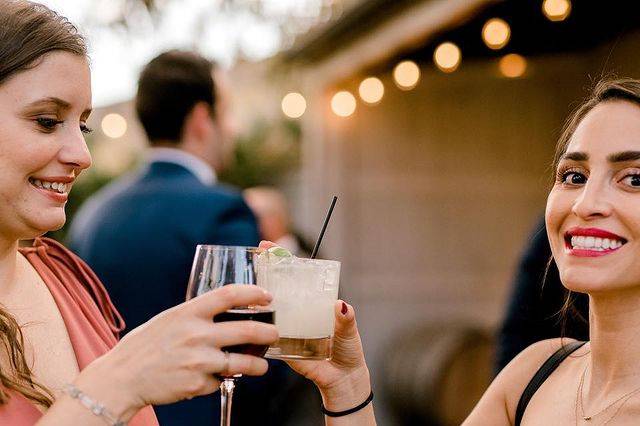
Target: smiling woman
{"points": [[48, 115], [60, 359], [593, 224]]}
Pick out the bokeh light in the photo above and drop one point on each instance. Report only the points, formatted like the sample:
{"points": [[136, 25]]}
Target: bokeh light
{"points": [[496, 33], [371, 90], [556, 10], [294, 105], [512, 65], [114, 125], [447, 57], [343, 104], [406, 75]]}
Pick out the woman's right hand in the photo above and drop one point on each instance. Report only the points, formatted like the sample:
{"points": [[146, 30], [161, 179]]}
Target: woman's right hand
{"points": [[344, 380], [175, 355]]}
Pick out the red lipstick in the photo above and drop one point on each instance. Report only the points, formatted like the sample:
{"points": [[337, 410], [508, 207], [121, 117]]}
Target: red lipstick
{"points": [[595, 233]]}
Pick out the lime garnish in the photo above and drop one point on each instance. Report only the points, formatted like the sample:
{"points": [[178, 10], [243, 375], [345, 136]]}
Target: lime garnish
{"points": [[279, 251]]}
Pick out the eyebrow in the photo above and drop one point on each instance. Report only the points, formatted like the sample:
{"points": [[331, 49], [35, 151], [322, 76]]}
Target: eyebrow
{"points": [[60, 103], [616, 157], [51, 100]]}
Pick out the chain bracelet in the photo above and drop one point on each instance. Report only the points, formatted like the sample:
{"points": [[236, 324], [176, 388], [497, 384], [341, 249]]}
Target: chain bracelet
{"points": [[95, 407]]}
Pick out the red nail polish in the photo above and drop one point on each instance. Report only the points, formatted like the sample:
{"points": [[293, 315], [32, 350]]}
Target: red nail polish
{"points": [[344, 309]]}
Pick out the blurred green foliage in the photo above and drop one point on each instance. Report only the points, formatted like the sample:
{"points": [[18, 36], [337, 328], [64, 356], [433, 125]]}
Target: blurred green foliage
{"points": [[264, 155]]}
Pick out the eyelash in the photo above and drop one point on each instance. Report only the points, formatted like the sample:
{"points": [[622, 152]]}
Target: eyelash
{"points": [[49, 124], [562, 174]]}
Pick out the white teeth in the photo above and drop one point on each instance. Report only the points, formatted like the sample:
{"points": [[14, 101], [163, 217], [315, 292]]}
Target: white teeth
{"points": [[594, 243], [51, 186]]}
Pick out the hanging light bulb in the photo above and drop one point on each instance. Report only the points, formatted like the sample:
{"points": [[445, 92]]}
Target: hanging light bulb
{"points": [[406, 75], [294, 105], [496, 33], [556, 10], [343, 104], [512, 65], [447, 57], [371, 90], [114, 125]]}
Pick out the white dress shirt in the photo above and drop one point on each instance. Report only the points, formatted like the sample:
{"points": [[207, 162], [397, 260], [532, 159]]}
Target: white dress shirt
{"points": [[203, 171]]}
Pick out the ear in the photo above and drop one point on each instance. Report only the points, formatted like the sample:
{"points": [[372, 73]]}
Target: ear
{"points": [[198, 123]]}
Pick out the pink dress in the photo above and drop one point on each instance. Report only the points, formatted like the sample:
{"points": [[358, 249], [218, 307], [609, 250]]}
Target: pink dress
{"points": [[92, 321]]}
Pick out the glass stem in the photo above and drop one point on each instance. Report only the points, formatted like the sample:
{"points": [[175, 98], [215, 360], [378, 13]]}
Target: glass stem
{"points": [[226, 397]]}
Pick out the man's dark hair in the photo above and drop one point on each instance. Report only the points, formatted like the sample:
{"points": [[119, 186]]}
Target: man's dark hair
{"points": [[168, 89]]}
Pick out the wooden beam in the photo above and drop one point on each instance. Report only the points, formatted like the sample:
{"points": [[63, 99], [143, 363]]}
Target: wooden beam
{"points": [[404, 31]]}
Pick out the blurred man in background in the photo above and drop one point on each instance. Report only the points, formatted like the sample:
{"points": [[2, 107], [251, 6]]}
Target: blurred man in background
{"points": [[269, 205], [140, 233]]}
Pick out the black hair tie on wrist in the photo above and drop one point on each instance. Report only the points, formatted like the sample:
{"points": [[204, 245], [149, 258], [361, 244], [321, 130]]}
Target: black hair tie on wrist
{"points": [[350, 410]]}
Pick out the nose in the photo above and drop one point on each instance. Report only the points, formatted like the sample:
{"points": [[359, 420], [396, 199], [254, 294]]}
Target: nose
{"points": [[75, 152], [592, 202]]}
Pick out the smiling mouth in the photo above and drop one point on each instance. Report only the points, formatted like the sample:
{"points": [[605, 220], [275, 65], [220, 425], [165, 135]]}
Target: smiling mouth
{"points": [[57, 187], [593, 241]]}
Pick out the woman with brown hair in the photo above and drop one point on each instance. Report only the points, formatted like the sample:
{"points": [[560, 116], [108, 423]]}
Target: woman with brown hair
{"points": [[60, 359], [593, 225]]}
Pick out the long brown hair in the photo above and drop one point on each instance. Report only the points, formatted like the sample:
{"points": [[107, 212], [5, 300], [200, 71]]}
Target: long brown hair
{"points": [[28, 31], [606, 90]]}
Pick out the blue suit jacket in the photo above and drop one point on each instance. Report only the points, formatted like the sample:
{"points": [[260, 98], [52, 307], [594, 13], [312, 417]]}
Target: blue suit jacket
{"points": [[139, 235]]}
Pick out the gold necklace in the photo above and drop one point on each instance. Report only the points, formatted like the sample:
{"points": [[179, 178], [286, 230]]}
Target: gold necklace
{"points": [[579, 401]]}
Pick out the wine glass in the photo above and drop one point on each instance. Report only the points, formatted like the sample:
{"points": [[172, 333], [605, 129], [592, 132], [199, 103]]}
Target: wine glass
{"points": [[217, 266]]}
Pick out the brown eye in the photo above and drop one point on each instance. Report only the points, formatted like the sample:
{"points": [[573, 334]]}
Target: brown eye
{"points": [[574, 178], [632, 180]]}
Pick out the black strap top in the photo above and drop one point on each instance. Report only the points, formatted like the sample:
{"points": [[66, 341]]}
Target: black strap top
{"points": [[542, 374]]}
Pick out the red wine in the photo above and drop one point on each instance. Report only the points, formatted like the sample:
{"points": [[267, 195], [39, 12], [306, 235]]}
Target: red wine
{"points": [[246, 314]]}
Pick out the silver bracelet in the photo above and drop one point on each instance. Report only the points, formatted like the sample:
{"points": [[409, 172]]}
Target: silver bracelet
{"points": [[94, 406]]}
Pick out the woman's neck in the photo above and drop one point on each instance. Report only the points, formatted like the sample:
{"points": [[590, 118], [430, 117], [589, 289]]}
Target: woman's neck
{"points": [[614, 324], [8, 265]]}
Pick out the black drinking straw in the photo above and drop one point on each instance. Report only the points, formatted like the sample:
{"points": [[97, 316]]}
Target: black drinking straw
{"points": [[324, 228]]}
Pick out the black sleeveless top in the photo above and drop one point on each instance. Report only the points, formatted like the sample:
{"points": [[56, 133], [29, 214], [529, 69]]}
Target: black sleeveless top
{"points": [[542, 374]]}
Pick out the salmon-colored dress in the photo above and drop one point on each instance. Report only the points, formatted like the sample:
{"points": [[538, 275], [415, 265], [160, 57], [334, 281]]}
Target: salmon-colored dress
{"points": [[92, 322]]}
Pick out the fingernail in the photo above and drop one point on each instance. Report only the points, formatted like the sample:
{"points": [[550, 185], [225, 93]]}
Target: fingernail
{"points": [[344, 309]]}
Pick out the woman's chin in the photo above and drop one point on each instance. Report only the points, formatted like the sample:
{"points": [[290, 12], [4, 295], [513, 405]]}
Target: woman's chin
{"points": [[44, 225], [591, 284]]}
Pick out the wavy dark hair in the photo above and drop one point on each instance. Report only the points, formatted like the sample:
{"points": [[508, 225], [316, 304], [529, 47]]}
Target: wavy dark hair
{"points": [[28, 31]]}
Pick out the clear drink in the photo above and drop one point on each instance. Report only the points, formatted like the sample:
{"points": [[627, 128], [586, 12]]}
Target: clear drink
{"points": [[304, 293]]}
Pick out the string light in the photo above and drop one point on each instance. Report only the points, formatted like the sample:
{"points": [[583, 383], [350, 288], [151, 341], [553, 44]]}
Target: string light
{"points": [[406, 75], [496, 33], [371, 90], [343, 104], [294, 105], [114, 125], [447, 57], [512, 65], [556, 10]]}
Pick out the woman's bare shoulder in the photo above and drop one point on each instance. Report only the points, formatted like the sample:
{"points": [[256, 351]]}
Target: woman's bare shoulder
{"points": [[519, 372], [501, 399]]}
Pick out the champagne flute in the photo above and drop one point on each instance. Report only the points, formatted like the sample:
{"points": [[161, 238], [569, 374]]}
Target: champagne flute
{"points": [[216, 266]]}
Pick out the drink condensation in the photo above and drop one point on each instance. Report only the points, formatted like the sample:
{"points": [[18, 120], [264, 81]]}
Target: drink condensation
{"points": [[304, 293]]}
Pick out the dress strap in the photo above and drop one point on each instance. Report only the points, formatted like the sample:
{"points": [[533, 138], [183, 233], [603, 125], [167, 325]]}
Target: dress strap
{"points": [[542, 374]]}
